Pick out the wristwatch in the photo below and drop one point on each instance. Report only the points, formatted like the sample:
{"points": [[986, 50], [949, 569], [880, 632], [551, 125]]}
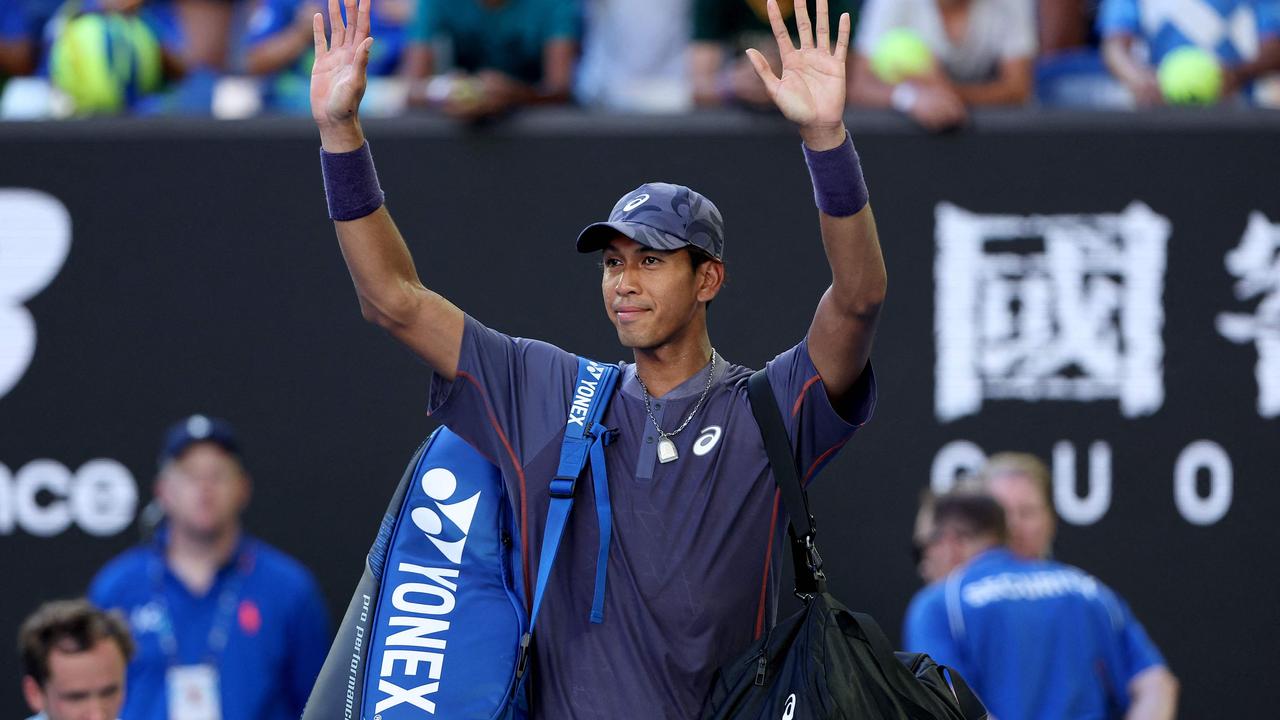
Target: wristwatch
{"points": [[904, 97]]}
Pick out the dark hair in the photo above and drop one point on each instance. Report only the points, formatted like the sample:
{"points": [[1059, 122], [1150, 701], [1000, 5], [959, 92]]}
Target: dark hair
{"points": [[70, 626], [697, 258], [972, 513]]}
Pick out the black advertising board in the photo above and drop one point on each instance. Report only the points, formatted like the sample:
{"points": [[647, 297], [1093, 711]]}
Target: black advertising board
{"points": [[1103, 291]]}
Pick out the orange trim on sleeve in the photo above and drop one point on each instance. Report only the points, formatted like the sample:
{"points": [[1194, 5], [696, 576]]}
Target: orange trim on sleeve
{"points": [[804, 482], [524, 505], [768, 559], [795, 410]]}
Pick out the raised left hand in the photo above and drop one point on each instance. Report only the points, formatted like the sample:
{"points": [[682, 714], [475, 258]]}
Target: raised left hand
{"points": [[811, 91]]}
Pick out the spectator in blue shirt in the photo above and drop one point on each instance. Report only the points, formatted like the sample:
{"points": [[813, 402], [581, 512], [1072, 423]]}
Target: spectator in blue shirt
{"points": [[1037, 639], [17, 51], [279, 47], [226, 625], [1137, 34], [506, 53], [73, 660]]}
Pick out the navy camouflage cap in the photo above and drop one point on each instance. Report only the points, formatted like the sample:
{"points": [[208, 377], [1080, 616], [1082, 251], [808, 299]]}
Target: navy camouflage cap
{"points": [[661, 216]]}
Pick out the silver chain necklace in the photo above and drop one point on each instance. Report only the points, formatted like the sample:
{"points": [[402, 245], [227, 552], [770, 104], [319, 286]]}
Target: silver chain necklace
{"points": [[666, 447]]}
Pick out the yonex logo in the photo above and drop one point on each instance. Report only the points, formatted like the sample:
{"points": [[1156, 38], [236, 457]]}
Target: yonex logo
{"points": [[439, 484], [707, 440], [789, 711], [636, 202], [583, 395]]}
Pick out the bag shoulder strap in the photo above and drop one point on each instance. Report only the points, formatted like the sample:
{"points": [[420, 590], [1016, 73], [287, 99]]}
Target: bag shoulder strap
{"points": [[584, 440], [803, 529]]}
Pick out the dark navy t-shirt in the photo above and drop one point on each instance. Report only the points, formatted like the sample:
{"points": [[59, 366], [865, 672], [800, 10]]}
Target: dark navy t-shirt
{"points": [[1037, 640], [696, 542]]}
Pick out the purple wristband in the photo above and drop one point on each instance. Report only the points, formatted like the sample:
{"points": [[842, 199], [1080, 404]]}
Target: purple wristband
{"points": [[350, 183], [838, 186]]}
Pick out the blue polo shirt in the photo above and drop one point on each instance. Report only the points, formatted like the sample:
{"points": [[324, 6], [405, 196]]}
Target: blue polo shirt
{"points": [[277, 632], [692, 567], [1037, 640]]}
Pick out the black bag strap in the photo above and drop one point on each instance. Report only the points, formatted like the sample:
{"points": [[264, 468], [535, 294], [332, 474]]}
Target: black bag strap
{"points": [[810, 579], [804, 551]]}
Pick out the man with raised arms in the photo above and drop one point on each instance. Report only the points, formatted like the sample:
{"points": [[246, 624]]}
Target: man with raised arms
{"points": [[697, 531]]}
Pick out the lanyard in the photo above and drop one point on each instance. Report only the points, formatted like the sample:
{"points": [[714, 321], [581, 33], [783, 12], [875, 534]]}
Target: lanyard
{"points": [[224, 614]]}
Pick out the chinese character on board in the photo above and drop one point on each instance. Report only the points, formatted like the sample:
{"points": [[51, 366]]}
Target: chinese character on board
{"points": [[1049, 307], [1255, 263]]}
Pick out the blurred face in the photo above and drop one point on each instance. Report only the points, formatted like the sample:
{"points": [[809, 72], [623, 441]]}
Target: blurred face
{"points": [[1031, 523], [653, 297], [937, 549], [85, 685], [203, 491]]}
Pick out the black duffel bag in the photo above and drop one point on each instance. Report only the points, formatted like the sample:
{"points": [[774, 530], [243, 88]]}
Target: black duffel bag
{"points": [[826, 661]]}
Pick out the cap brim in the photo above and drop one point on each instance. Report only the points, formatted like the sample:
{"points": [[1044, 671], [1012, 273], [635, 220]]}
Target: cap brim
{"points": [[598, 235]]}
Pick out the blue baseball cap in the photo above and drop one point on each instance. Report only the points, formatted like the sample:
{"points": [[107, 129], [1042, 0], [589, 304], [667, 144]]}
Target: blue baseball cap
{"points": [[196, 429], [661, 216]]}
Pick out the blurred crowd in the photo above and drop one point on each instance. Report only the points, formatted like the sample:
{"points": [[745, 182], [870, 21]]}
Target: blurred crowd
{"points": [[932, 60]]}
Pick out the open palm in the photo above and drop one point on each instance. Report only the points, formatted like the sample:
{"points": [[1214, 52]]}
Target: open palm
{"points": [[811, 91], [339, 74]]}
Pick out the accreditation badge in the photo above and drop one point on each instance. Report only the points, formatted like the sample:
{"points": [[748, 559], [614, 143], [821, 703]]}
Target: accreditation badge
{"points": [[193, 693]]}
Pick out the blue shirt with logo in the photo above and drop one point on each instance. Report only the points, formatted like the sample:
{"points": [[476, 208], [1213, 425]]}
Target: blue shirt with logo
{"points": [[277, 629], [1230, 29], [696, 543], [1037, 640]]}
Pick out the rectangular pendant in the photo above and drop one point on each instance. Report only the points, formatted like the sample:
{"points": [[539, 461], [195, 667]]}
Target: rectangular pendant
{"points": [[666, 450]]}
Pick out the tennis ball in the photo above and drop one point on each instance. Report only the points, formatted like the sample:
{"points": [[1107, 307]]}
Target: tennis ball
{"points": [[1190, 76], [900, 55], [103, 62]]}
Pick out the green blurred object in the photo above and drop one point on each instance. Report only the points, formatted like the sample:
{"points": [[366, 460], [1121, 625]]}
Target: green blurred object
{"points": [[900, 55], [105, 61], [1190, 76]]}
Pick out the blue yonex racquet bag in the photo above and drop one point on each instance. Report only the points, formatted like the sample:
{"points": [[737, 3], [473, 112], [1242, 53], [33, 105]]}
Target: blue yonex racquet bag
{"points": [[437, 626]]}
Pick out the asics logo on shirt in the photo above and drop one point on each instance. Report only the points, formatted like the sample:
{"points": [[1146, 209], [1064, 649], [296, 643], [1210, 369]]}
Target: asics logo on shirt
{"points": [[439, 484], [789, 711], [707, 440]]}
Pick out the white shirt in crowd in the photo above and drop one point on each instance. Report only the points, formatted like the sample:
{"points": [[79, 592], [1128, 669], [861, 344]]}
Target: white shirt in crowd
{"points": [[998, 30], [619, 72]]}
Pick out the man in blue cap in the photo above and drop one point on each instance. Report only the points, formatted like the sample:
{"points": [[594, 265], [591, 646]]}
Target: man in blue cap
{"points": [[226, 625], [696, 523]]}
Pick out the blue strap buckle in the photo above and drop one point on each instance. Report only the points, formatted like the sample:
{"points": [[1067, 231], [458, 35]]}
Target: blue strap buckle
{"points": [[562, 487]]}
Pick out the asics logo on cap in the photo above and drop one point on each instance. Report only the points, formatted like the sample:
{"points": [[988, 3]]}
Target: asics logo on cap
{"points": [[439, 484], [636, 202]]}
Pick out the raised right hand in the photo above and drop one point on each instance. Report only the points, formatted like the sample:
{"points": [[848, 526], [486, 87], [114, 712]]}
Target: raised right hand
{"points": [[339, 74]]}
